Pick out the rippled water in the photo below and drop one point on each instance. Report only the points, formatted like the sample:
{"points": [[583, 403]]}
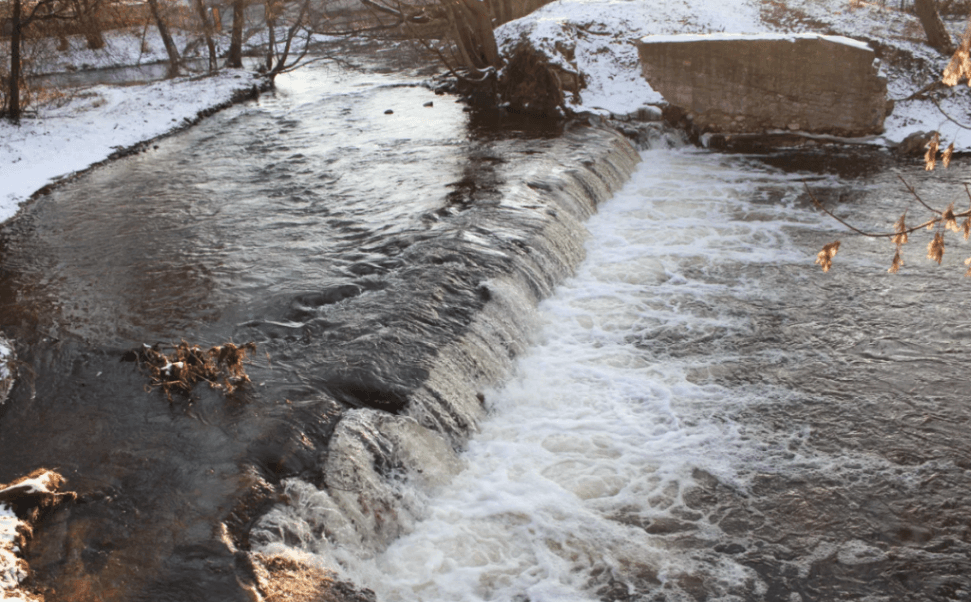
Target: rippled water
{"points": [[695, 412]]}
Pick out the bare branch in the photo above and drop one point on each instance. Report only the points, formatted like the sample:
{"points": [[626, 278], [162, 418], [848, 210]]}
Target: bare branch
{"points": [[869, 234], [917, 196]]}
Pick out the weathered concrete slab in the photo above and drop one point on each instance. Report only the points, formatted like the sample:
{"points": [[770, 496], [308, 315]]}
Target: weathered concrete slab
{"points": [[755, 83]]}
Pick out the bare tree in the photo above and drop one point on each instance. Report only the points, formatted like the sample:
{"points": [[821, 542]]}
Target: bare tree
{"points": [[175, 60], [13, 87], [930, 20], [286, 53], [207, 32], [23, 14], [235, 57]]}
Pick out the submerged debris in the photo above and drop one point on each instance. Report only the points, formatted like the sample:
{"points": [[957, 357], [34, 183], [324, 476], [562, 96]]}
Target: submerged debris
{"points": [[186, 365]]}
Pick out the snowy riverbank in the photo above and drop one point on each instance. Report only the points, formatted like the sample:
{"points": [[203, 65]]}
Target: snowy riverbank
{"points": [[595, 37], [89, 125], [93, 123]]}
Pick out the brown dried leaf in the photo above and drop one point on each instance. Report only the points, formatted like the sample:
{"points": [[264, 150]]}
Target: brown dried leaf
{"points": [[946, 155], [966, 227], [221, 367], [930, 157], [950, 222], [900, 238], [825, 257], [960, 65], [897, 262], [935, 248]]}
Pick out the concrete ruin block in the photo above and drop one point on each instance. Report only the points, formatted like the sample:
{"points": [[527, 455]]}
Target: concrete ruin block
{"points": [[732, 84]]}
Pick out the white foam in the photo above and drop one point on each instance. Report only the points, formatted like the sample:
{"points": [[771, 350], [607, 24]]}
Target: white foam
{"points": [[580, 476], [600, 430]]}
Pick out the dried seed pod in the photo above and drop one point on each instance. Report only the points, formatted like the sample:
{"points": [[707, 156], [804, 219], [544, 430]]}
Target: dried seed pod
{"points": [[900, 238], [950, 222], [930, 157], [946, 156], [935, 248], [825, 257]]}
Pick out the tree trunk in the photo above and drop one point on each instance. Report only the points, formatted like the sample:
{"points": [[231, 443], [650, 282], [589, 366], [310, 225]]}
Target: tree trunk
{"points": [[930, 20], [472, 31], [13, 90], [90, 26], [163, 30], [270, 27], [207, 31], [235, 58]]}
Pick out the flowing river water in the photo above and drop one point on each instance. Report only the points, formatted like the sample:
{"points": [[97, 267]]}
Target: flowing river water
{"points": [[490, 366]]}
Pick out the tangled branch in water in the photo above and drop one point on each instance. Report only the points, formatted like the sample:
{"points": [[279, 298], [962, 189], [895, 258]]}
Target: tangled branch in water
{"points": [[180, 370]]}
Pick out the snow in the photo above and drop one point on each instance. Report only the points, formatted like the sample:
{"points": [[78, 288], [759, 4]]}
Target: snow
{"points": [[11, 567], [122, 49], [601, 34], [6, 356], [753, 37], [40, 484], [91, 124]]}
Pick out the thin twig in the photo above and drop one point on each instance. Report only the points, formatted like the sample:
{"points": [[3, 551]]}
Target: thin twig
{"points": [[948, 117], [872, 234], [917, 196]]}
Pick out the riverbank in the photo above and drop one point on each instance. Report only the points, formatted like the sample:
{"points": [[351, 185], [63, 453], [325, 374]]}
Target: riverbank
{"points": [[92, 125], [594, 38], [86, 126]]}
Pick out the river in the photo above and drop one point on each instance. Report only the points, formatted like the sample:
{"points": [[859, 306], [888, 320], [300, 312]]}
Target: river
{"points": [[693, 410]]}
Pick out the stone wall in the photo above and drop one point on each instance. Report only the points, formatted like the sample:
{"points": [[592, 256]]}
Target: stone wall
{"points": [[747, 84]]}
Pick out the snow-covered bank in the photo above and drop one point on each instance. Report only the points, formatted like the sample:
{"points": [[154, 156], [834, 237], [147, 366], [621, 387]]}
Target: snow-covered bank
{"points": [[94, 123], [600, 36], [38, 489], [596, 38]]}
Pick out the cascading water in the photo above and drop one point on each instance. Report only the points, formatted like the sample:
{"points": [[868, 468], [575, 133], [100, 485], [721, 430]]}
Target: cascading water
{"points": [[660, 440]]}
